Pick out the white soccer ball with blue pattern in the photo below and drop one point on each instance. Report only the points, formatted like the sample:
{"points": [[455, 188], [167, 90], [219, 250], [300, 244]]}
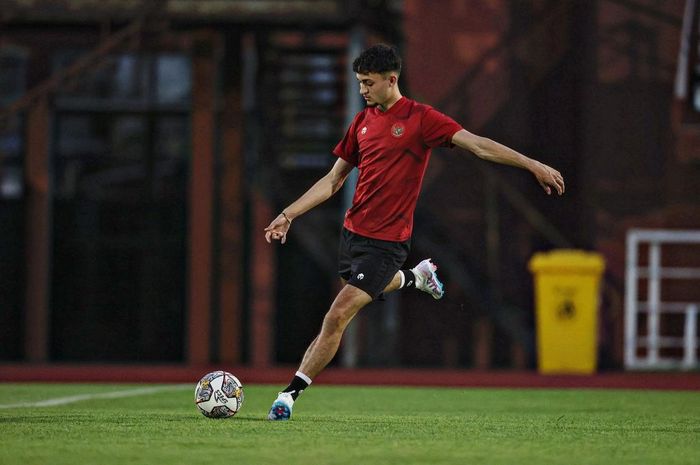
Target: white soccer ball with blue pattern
{"points": [[218, 394]]}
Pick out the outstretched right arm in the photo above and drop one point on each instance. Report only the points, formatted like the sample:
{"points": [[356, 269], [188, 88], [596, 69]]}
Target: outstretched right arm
{"points": [[321, 191]]}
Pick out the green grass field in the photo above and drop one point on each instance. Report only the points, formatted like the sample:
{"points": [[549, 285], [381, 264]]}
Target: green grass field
{"points": [[351, 425]]}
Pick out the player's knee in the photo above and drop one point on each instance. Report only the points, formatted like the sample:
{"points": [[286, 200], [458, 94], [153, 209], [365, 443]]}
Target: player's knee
{"points": [[344, 308], [334, 321]]}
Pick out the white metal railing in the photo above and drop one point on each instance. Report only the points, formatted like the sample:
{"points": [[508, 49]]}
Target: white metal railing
{"points": [[654, 307]]}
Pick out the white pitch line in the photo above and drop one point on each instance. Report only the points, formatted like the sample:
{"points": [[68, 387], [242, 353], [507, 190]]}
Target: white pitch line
{"points": [[95, 395]]}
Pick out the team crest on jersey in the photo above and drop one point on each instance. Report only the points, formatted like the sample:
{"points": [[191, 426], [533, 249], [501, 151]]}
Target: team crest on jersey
{"points": [[397, 130], [364, 131]]}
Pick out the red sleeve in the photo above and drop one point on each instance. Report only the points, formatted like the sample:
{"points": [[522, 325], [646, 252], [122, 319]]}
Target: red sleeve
{"points": [[438, 128], [348, 148]]}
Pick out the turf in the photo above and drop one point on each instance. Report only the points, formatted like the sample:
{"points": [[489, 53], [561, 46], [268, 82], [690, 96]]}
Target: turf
{"points": [[354, 425]]}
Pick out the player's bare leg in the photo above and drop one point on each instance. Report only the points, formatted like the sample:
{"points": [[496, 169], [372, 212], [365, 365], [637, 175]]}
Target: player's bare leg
{"points": [[323, 348], [309, 354], [346, 305]]}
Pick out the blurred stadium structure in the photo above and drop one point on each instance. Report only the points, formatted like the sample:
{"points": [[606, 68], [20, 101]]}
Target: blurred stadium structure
{"points": [[144, 145]]}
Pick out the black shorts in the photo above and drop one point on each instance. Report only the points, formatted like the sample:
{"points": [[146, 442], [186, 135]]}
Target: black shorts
{"points": [[370, 264]]}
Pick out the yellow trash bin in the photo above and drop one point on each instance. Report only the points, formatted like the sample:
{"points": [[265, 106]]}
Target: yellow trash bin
{"points": [[566, 306]]}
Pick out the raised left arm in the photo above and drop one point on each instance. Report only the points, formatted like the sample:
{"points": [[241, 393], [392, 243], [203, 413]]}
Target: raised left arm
{"points": [[490, 150]]}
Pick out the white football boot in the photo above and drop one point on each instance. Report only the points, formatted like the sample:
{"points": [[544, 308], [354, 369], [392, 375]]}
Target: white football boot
{"points": [[427, 280], [282, 407]]}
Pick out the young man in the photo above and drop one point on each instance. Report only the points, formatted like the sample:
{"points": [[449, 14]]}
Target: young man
{"points": [[390, 143]]}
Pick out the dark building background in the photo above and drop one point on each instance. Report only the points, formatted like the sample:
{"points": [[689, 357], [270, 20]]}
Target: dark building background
{"points": [[145, 145]]}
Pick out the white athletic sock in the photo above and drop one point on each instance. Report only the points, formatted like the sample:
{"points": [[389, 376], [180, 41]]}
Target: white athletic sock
{"points": [[303, 376]]}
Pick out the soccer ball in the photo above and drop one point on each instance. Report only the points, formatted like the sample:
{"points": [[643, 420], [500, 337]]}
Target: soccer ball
{"points": [[218, 394]]}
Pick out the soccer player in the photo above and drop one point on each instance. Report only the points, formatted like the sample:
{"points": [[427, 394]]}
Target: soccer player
{"points": [[390, 143]]}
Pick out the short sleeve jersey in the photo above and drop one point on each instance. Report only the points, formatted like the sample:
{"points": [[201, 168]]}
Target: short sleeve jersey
{"points": [[391, 150]]}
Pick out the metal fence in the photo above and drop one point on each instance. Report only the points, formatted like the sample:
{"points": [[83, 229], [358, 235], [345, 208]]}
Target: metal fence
{"points": [[664, 342]]}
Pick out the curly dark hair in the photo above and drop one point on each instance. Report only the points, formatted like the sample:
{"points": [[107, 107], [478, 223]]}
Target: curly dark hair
{"points": [[380, 58]]}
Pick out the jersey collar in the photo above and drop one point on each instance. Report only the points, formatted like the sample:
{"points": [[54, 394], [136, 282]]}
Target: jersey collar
{"points": [[394, 108]]}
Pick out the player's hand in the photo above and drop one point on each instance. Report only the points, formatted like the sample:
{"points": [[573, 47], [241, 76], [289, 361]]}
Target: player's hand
{"points": [[278, 229], [548, 178]]}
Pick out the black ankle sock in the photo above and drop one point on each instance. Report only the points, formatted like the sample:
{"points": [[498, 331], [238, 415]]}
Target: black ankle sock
{"points": [[296, 387], [409, 279]]}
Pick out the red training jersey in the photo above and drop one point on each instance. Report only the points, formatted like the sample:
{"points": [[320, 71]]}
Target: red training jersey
{"points": [[391, 149]]}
